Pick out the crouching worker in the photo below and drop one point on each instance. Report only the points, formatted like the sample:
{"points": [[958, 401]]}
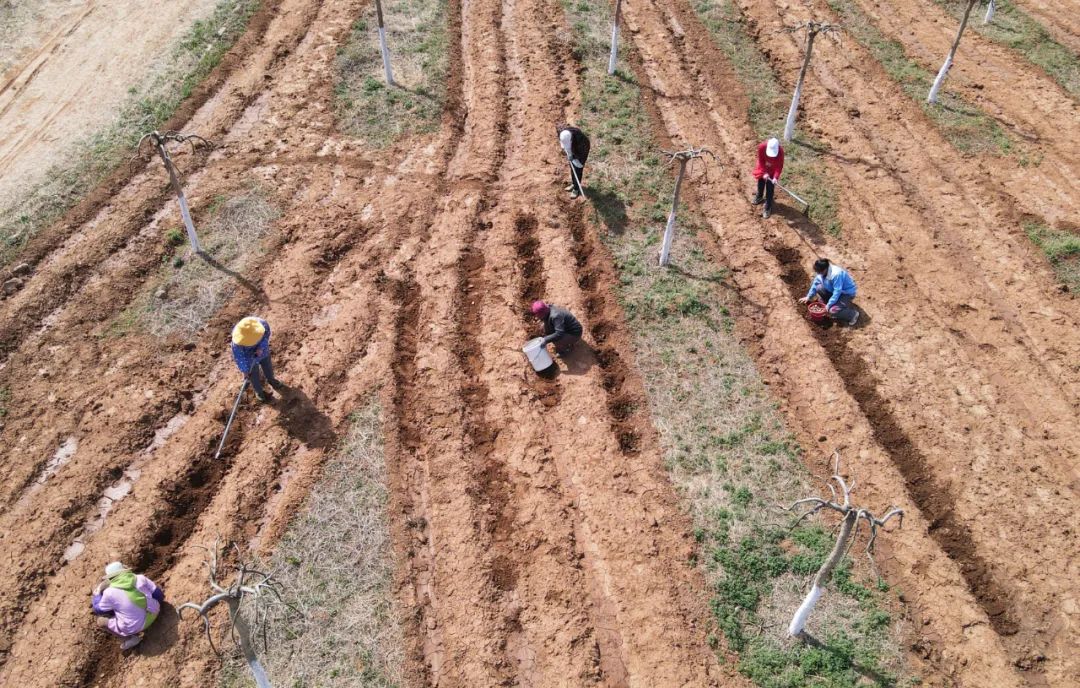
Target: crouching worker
{"points": [[251, 351], [833, 285], [126, 604], [561, 328]]}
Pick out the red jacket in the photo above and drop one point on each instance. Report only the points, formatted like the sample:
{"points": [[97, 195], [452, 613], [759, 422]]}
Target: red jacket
{"points": [[766, 165]]}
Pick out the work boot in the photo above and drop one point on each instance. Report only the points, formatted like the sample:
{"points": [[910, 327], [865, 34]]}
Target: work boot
{"points": [[854, 319], [758, 199], [265, 397], [575, 193], [277, 384], [130, 642], [568, 187], [766, 213]]}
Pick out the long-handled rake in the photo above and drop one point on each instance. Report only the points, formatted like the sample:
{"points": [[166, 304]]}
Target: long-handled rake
{"points": [[232, 415], [574, 174], [806, 210]]}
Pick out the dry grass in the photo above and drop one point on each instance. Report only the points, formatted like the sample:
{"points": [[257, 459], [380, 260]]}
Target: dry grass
{"points": [[335, 562], [188, 292]]}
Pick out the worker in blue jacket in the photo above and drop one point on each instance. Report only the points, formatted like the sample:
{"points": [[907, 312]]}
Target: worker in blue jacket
{"points": [[251, 351], [833, 285]]}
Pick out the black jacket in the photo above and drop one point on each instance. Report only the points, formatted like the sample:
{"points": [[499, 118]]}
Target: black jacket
{"points": [[579, 144], [560, 322]]}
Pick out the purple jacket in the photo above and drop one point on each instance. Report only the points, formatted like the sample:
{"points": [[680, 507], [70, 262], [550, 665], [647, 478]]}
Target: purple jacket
{"points": [[132, 602]]}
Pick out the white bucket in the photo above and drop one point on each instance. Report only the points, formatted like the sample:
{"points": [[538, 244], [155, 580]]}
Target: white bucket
{"points": [[537, 354]]}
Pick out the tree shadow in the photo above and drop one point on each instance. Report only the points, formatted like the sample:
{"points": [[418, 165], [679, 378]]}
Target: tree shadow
{"points": [[841, 656], [255, 289], [302, 420], [162, 635], [826, 152], [611, 209]]}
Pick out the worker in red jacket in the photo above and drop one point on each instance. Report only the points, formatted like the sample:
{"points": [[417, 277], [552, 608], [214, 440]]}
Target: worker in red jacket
{"points": [[770, 163]]}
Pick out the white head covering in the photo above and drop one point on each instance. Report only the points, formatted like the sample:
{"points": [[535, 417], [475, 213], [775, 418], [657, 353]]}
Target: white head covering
{"points": [[565, 138], [772, 148], [115, 569]]}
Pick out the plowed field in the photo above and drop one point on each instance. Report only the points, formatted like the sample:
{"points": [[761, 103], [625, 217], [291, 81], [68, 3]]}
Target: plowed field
{"points": [[538, 540]]}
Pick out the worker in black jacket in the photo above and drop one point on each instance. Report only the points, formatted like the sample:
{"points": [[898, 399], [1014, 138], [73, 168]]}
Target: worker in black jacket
{"points": [[561, 328], [576, 146]]}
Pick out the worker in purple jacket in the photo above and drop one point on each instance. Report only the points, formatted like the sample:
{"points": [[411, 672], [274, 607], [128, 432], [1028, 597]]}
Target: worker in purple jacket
{"points": [[251, 351], [126, 604]]}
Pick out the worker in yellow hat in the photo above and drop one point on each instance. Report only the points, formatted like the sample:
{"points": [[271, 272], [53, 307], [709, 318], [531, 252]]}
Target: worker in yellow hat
{"points": [[251, 351]]}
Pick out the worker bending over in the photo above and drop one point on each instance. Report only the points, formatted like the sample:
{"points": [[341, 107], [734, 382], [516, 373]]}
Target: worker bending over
{"points": [[561, 328], [770, 163], [126, 604], [251, 351], [833, 285], [575, 144]]}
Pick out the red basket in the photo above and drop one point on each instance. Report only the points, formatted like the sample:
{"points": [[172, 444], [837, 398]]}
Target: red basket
{"points": [[817, 311]]}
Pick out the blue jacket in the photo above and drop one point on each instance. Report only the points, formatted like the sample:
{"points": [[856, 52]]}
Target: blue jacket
{"points": [[247, 356], [837, 281]]}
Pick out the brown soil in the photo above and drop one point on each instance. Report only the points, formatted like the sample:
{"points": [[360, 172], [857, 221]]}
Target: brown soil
{"points": [[538, 540], [1060, 19]]}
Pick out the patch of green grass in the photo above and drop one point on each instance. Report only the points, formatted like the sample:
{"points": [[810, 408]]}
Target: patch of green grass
{"points": [[1015, 29], [416, 36], [804, 166], [5, 397], [967, 128], [148, 106], [725, 444], [1063, 250]]}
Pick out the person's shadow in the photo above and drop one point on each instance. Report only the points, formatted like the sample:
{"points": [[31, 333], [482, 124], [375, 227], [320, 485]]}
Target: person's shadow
{"points": [[301, 419], [162, 635], [611, 209], [579, 359]]}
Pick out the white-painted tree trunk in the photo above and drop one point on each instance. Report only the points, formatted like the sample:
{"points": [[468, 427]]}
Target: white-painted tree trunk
{"points": [[989, 12], [669, 230], [185, 212], [246, 647], [613, 58], [932, 98], [789, 124], [802, 614], [798, 622], [382, 45]]}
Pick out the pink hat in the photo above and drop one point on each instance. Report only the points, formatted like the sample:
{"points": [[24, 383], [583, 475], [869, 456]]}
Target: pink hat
{"points": [[540, 309]]}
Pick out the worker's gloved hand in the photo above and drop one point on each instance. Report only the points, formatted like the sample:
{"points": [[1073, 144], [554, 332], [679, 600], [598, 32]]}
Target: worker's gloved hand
{"points": [[804, 300], [834, 309], [578, 164]]}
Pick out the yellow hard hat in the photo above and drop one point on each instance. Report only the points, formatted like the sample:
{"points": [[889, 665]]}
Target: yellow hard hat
{"points": [[248, 332]]}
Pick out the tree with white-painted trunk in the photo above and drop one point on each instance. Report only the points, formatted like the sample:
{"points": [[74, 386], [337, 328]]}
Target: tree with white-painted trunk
{"points": [[813, 28], [252, 594], [614, 38], [382, 45], [158, 140], [849, 527], [683, 158], [990, 7], [940, 79]]}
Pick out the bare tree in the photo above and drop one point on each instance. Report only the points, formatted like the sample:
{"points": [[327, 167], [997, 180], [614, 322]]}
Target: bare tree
{"points": [[158, 140], [932, 98], [813, 28], [849, 526], [252, 592], [683, 157], [614, 38]]}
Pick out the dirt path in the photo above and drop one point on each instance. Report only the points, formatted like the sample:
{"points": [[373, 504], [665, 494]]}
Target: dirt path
{"points": [[51, 96], [913, 396], [1060, 19], [1023, 98]]}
